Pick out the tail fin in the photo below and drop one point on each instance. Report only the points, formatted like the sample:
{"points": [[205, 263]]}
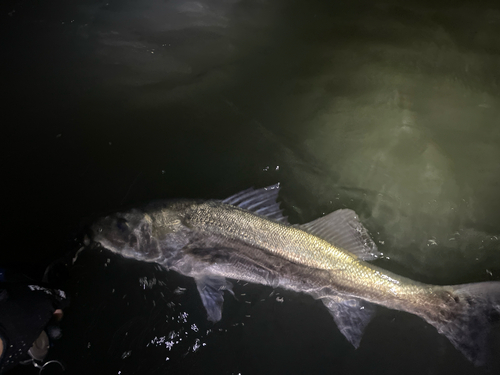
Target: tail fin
{"points": [[467, 319]]}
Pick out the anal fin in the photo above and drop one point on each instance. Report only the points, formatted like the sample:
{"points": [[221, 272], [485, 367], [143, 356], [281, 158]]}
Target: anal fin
{"points": [[351, 315], [211, 291]]}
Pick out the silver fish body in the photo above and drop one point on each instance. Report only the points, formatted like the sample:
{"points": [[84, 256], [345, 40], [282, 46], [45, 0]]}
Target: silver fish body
{"points": [[246, 237]]}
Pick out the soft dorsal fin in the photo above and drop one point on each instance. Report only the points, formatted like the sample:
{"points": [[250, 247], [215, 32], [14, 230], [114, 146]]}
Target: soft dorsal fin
{"points": [[261, 201], [343, 229]]}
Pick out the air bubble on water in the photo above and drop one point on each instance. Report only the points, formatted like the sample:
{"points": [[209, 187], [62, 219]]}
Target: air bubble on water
{"points": [[179, 290], [183, 316], [146, 283], [196, 345]]}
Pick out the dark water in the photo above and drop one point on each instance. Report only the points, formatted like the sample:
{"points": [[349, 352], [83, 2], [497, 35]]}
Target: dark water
{"points": [[389, 108]]}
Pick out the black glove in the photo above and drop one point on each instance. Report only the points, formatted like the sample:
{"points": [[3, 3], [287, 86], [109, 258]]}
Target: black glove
{"points": [[25, 310]]}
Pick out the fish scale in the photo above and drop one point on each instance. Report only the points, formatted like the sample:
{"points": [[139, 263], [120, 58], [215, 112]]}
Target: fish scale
{"points": [[327, 258]]}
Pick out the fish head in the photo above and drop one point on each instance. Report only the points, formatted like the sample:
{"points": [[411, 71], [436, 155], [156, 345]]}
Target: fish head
{"points": [[129, 234]]}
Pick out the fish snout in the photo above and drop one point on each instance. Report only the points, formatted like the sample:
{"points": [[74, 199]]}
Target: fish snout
{"points": [[92, 233]]}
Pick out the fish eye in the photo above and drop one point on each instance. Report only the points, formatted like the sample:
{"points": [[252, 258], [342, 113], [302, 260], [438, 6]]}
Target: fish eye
{"points": [[122, 224]]}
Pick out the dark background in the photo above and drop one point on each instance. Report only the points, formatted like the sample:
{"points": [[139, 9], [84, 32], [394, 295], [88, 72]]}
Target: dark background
{"points": [[389, 108]]}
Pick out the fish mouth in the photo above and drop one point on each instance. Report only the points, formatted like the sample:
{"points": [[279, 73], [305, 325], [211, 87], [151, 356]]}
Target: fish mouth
{"points": [[86, 240], [92, 236], [90, 233]]}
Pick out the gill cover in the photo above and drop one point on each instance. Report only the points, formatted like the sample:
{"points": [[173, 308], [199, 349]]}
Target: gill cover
{"points": [[129, 234]]}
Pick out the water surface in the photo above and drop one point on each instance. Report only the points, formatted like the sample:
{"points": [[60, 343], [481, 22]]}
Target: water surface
{"points": [[386, 108]]}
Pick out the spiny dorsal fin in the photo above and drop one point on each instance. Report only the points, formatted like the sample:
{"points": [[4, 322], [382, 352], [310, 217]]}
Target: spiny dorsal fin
{"points": [[261, 201], [343, 229]]}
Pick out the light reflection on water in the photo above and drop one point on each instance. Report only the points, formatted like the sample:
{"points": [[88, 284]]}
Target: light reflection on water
{"points": [[389, 109], [159, 319]]}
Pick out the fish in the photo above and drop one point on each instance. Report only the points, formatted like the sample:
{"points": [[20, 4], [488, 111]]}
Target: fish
{"points": [[247, 237]]}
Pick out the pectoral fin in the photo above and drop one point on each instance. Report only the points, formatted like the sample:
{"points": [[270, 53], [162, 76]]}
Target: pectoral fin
{"points": [[351, 315], [211, 291]]}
